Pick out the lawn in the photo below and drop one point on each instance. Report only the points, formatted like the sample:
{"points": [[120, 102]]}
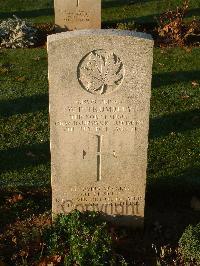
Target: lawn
{"points": [[174, 138], [141, 11]]}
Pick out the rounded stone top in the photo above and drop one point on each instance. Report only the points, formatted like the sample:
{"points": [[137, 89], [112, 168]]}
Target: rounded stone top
{"points": [[100, 32]]}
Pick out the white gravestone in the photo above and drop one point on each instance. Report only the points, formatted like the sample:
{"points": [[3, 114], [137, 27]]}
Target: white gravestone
{"points": [[100, 86]]}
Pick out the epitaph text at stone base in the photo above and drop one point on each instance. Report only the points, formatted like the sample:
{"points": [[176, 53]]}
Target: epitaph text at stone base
{"points": [[100, 86]]}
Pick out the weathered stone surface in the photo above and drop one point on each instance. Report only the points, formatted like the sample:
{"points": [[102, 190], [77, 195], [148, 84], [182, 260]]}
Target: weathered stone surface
{"points": [[100, 85], [77, 14]]}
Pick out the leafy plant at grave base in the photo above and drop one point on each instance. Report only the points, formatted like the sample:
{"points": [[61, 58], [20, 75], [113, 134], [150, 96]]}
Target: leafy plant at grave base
{"points": [[80, 239], [15, 32], [190, 243], [173, 30]]}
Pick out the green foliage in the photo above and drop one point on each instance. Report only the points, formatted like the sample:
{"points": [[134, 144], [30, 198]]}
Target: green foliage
{"points": [[81, 238], [126, 26], [190, 243]]}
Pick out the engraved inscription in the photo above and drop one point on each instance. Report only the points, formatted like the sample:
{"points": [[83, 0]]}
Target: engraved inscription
{"points": [[79, 16], [115, 200], [120, 209], [99, 139], [98, 116], [100, 72]]}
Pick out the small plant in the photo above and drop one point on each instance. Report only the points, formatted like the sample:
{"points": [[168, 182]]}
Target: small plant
{"points": [[172, 29], [80, 239], [190, 243], [15, 33], [126, 26], [74, 239]]}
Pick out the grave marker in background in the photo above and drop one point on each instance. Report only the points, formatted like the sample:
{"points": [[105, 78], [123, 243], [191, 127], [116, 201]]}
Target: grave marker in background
{"points": [[77, 14], [100, 86]]}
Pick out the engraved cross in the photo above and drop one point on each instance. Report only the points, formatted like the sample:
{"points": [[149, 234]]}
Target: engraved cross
{"points": [[99, 154]]}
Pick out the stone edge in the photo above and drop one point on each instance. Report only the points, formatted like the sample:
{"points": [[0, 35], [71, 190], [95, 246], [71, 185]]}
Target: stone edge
{"points": [[101, 32]]}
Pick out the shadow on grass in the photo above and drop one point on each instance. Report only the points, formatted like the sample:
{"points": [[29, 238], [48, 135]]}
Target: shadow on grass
{"points": [[120, 3], [193, 12], [168, 200], [175, 191], [176, 122], [32, 155], [167, 78], [150, 21], [28, 13], [36, 103], [155, 17], [29, 104], [24, 156]]}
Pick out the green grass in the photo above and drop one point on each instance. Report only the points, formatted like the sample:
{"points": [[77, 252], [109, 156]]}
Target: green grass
{"points": [[141, 11], [174, 154], [24, 129], [36, 11], [174, 157]]}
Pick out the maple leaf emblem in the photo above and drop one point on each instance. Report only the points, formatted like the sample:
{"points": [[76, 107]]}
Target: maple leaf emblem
{"points": [[100, 72]]}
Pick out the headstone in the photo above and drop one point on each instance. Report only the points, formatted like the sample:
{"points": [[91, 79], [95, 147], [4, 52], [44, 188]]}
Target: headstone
{"points": [[77, 14], [100, 86]]}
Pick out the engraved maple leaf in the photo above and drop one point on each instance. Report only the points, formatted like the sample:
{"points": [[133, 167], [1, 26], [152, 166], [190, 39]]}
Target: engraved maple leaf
{"points": [[101, 72]]}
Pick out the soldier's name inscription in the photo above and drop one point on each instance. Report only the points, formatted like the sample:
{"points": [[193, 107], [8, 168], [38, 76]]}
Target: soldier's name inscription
{"points": [[98, 115]]}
